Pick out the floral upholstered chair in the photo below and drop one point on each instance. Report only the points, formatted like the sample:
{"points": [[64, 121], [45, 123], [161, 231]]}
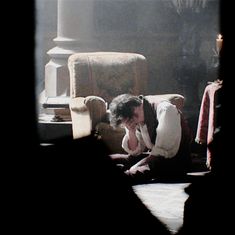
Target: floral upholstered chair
{"points": [[95, 79]]}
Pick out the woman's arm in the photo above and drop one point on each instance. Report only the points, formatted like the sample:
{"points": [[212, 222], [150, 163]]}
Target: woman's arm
{"points": [[132, 142], [168, 131]]}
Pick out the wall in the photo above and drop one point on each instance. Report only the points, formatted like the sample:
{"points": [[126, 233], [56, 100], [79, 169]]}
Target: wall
{"points": [[46, 31], [178, 42], [155, 29]]}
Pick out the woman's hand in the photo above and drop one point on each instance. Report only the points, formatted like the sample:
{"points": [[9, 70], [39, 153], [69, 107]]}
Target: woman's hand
{"points": [[130, 125]]}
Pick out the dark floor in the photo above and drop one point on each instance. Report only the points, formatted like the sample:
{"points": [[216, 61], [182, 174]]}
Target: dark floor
{"points": [[164, 199]]}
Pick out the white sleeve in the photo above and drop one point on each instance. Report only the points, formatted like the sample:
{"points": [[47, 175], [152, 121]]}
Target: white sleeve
{"points": [[168, 131], [141, 146]]}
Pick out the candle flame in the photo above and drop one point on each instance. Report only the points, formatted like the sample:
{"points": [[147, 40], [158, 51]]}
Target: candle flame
{"points": [[219, 36]]}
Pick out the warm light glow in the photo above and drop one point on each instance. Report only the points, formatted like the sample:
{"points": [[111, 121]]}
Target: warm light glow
{"points": [[219, 42], [219, 36]]}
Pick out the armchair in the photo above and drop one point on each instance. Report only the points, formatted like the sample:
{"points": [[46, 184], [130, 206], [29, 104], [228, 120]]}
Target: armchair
{"points": [[95, 79]]}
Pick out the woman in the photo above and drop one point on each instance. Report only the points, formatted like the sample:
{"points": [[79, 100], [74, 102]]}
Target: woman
{"points": [[157, 138]]}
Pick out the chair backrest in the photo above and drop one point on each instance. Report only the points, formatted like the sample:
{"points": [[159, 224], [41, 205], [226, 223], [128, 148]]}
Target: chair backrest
{"points": [[107, 74]]}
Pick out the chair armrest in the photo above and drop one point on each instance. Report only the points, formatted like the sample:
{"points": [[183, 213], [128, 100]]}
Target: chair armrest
{"points": [[176, 99], [81, 122], [97, 108], [86, 112], [78, 104]]}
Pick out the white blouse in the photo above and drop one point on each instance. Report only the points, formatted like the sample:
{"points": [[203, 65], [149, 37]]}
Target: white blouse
{"points": [[168, 133]]}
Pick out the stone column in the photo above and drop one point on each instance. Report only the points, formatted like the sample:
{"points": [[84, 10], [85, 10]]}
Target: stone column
{"points": [[74, 34]]}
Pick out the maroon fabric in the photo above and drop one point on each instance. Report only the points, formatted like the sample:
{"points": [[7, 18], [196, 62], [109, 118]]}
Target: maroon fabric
{"points": [[206, 121]]}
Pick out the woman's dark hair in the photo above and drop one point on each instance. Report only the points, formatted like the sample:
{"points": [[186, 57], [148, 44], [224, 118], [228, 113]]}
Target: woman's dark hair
{"points": [[122, 107]]}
